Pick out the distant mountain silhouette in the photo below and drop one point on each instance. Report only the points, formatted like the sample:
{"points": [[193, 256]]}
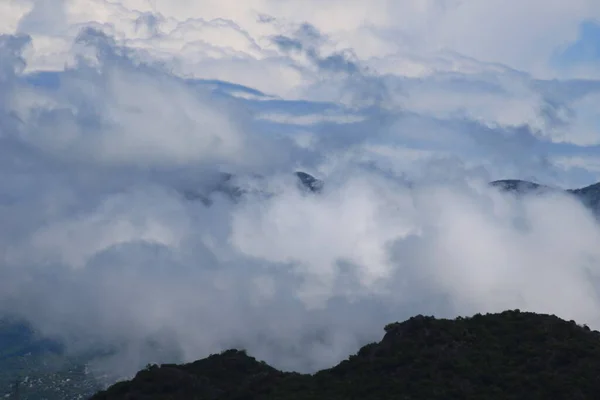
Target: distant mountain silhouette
{"points": [[519, 186], [309, 182], [589, 195], [224, 184], [512, 355]]}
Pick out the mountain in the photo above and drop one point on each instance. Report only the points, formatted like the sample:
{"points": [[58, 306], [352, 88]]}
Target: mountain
{"points": [[309, 182], [225, 184], [589, 195], [511, 355], [521, 187]]}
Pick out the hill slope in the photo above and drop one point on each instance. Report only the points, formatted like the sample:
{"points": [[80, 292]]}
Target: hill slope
{"points": [[512, 355]]}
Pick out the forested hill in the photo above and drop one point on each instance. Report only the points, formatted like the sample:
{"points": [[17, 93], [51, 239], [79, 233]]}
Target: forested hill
{"points": [[512, 355]]}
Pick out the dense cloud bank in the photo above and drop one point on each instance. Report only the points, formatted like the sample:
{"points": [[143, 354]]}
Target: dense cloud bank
{"points": [[147, 151]]}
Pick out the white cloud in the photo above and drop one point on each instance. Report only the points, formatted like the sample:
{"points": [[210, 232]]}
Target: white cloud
{"points": [[120, 113], [312, 119], [405, 109]]}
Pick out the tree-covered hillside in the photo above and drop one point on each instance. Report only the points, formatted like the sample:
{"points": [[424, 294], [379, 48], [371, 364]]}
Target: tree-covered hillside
{"points": [[512, 355]]}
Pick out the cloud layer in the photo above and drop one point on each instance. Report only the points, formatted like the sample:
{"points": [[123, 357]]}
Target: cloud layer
{"points": [[118, 118]]}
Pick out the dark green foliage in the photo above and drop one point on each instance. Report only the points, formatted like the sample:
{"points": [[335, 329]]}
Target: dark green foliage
{"points": [[512, 355]]}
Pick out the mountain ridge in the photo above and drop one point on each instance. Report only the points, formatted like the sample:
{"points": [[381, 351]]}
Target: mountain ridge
{"points": [[508, 355], [588, 195], [225, 184]]}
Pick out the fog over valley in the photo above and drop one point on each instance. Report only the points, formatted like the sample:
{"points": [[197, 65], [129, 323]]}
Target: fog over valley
{"points": [[179, 178]]}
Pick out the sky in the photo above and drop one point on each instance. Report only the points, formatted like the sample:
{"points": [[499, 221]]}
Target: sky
{"points": [[116, 116]]}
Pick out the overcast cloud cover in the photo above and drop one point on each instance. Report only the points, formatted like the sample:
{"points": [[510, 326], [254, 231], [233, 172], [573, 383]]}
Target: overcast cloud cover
{"points": [[117, 115]]}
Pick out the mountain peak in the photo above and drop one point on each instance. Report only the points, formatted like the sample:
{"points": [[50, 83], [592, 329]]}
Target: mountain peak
{"points": [[516, 185], [309, 182]]}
